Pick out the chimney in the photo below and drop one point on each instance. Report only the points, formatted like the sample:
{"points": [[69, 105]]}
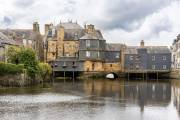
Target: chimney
{"points": [[36, 27], [142, 43], [90, 28], [47, 26]]}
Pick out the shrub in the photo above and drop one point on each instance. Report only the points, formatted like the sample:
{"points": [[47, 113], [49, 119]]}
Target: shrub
{"points": [[45, 70], [9, 68], [26, 56]]}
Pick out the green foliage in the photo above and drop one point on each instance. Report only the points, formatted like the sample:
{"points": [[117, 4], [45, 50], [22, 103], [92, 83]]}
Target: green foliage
{"points": [[9, 68], [12, 54], [24, 56], [45, 70]]}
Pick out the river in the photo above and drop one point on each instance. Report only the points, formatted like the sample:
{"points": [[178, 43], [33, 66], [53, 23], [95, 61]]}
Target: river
{"points": [[93, 100]]}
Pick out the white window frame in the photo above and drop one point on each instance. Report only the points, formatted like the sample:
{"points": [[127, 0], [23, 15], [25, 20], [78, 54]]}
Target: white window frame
{"points": [[131, 58], [153, 67], [164, 67], [117, 55], [153, 58], [164, 57], [98, 54], [88, 43], [88, 53]]}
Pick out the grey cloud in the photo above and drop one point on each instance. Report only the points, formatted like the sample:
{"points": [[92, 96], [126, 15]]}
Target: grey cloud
{"points": [[23, 3], [7, 21], [162, 25], [121, 14]]}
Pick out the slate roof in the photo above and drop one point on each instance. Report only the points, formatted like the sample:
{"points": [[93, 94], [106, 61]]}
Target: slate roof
{"points": [[19, 33], [95, 36], [5, 40], [70, 25], [73, 34], [150, 49], [114, 47], [158, 49]]}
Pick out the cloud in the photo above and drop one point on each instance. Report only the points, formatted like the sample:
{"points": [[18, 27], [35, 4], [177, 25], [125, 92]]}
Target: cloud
{"points": [[126, 21], [23, 3], [129, 14]]}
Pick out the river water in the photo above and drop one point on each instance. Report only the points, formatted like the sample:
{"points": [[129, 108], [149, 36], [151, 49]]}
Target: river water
{"points": [[93, 100]]}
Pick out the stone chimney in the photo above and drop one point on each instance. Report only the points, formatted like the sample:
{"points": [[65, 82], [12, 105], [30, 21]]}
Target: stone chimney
{"points": [[46, 28], [90, 28], [142, 43], [36, 27]]}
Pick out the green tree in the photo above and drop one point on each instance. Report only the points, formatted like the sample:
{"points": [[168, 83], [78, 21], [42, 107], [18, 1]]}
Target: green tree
{"points": [[12, 54], [45, 70], [26, 56]]}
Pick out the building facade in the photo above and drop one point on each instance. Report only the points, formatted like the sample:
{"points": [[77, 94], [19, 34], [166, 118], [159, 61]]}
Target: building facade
{"points": [[30, 38], [175, 50], [5, 42], [69, 41], [147, 59]]}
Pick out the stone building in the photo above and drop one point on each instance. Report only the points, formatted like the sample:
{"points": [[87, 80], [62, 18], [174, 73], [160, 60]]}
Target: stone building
{"points": [[147, 59], [114, 57], [30, 38], [175, 50], [5, 42], [69, 46]]}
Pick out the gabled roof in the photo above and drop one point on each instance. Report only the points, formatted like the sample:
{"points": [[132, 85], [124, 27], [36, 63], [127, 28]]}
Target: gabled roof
{"points": [[150, 49], [93, 36], [114, 46], [5, 40], [70, 25], [158, 49], [19, 33]]}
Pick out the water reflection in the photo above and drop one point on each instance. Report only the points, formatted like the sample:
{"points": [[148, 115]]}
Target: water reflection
{"points": [[176, 94], [94, 100], [143, 93]]}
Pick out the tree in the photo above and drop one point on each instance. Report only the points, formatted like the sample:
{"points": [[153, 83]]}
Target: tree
{"points": [[44, 70], [12, 54], [26, 56]]}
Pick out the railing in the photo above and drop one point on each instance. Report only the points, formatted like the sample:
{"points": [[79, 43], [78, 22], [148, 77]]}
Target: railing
{"points": [[145, 71]]}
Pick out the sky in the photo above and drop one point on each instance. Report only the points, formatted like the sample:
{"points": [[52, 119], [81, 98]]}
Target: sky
{"points": [[157, 22]]}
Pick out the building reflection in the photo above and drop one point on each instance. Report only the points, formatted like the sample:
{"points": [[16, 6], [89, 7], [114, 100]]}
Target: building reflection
{"points": [[140, 93], [176, 94], [148, 93]]}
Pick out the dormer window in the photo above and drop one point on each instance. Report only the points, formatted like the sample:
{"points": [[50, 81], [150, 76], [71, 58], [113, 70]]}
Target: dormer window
{"points": [[87, 43]]}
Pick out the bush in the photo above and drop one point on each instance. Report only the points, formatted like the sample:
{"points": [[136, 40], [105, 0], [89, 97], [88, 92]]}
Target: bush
{"points": [[26, 56], [45, 70], [9, 68]]}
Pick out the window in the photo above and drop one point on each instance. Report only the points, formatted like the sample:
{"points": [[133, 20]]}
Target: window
{"points": [[98, 54], [88, 54], [153, 58], [117, 55], [87, 43], [164, 57], [164, 66], [153, 67], [137, 66], [110, 65], [131, 57]]}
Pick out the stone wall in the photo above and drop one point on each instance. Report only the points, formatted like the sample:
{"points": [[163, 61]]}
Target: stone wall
{"points": [[10, 80]]}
